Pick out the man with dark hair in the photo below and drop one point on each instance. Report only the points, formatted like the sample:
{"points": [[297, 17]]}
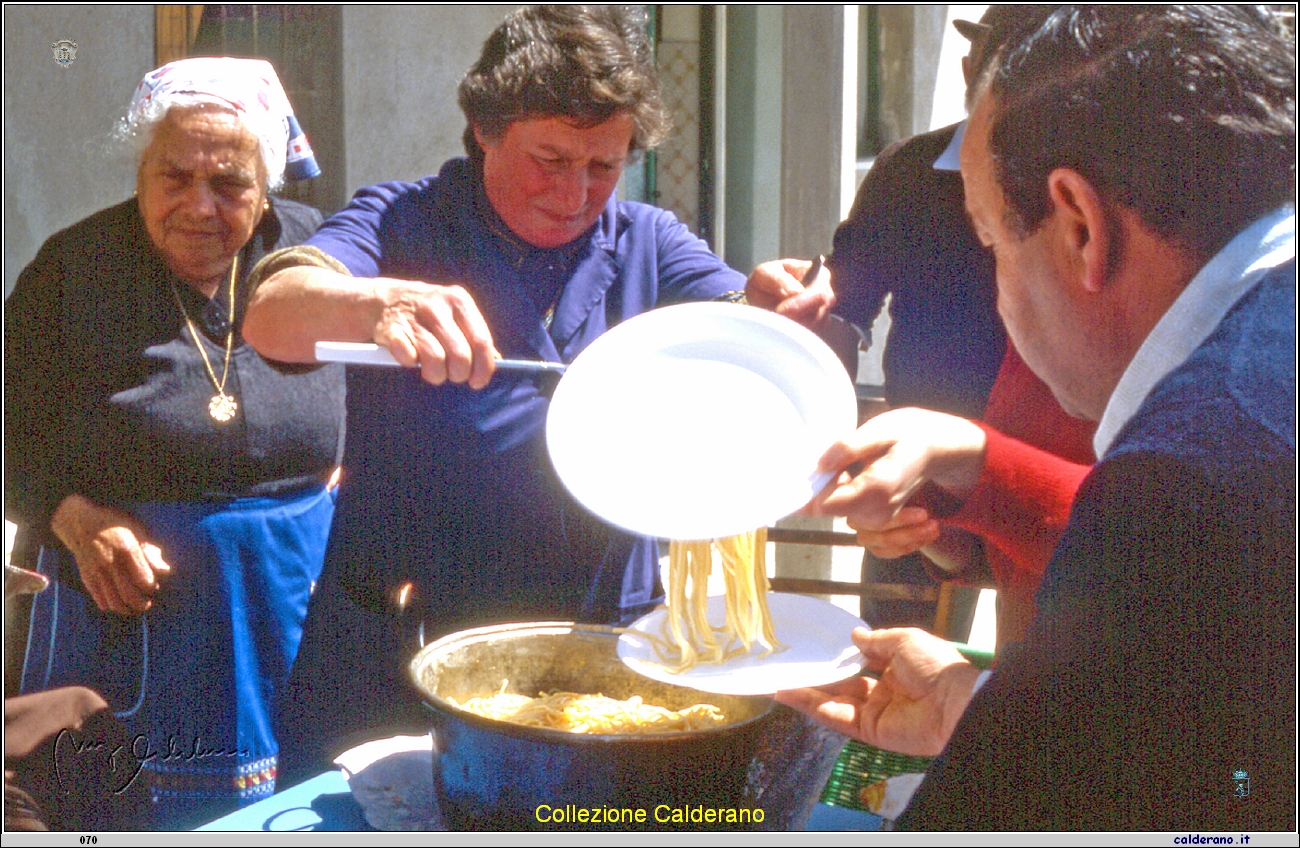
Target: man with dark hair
{"points": [[1133, 171], [1193, 130]]}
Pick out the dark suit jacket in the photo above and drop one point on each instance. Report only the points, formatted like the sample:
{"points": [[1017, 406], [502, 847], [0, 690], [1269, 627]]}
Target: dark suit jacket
{"points": [[1157, 683]]}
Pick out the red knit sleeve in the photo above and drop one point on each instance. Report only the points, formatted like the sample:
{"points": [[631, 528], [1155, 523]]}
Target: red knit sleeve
{"points": [[1022, 501]]}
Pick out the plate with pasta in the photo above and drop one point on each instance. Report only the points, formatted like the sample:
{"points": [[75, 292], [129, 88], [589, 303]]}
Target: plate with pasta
{"points": [[814, 648], [699, 420]]}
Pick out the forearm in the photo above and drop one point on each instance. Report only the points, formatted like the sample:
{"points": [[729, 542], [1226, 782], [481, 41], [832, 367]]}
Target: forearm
{"points": [[296, 307], [302, 296], [956, 461], [117, 564], [1022, 501], [72, 520]]}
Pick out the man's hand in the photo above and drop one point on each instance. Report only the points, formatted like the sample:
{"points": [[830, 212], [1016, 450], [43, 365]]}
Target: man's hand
{"points": [[777, 286], [438, 328], [118, 566], [899, 450], [923, 688]]}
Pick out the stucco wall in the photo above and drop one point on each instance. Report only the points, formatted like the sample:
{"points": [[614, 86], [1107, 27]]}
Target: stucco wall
{"points": [[401, 66], [57, 168], [400, 69]]}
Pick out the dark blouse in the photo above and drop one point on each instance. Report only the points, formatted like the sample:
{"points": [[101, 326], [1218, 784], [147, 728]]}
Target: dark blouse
{"points": [[107, 396]]}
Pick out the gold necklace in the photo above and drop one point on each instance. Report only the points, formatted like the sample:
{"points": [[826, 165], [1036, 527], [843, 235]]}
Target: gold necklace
{"points": [[222, 407]]}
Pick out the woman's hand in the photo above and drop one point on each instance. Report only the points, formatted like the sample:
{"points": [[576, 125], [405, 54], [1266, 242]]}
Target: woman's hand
{"points": [[118, 566], [435, 327], [438, 328], [778, 286], [923, 688], [899, 450]]}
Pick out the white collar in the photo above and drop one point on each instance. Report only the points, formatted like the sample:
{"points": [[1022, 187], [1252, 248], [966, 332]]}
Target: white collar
{"points": [[950, 158], [1264, 245]]}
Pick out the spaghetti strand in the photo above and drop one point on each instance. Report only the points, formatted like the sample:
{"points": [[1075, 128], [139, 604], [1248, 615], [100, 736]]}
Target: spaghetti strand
{"points": [[688, 638]]}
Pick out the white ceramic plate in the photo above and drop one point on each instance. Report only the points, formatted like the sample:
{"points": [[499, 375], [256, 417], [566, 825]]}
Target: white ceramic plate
{"points": [[816, 633], [699, 421]]}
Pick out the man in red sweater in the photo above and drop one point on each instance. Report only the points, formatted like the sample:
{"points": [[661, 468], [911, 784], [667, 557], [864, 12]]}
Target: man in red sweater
{"points": [[908, 236]]}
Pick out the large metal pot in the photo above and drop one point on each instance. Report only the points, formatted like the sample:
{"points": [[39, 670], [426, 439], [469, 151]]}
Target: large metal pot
{"points": [[763, 770]]}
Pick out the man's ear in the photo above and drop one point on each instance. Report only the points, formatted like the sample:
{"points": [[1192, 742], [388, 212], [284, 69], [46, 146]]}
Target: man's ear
{"points": [[1086, 232]]}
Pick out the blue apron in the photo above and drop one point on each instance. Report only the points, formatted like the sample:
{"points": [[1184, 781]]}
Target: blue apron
{"points": [[193, 680]]}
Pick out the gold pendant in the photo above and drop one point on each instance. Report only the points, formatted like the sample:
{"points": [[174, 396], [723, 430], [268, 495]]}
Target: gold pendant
{"points": [[222, 407]]}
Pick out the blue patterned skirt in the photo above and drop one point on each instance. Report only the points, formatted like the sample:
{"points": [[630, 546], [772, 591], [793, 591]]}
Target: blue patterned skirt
{"points": [[195, 679]]}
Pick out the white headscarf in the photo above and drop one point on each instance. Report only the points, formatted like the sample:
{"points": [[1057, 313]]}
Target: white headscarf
{"points": [[248, 86]]}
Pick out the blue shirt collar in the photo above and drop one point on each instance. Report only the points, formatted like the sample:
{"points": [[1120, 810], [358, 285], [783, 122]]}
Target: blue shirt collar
{"points": [[950, 158]]}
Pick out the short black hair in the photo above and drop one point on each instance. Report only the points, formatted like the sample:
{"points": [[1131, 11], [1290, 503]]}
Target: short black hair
{"points": [[1183, 114], [1001, 23], [584, 63]]}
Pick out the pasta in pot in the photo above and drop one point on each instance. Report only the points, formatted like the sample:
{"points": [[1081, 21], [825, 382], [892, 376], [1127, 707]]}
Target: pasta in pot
{"points": [[687, 640], [690, 639], [578, 713]]}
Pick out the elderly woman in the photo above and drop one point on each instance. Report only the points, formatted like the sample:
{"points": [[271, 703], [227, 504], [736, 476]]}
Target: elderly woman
{"points": [[176, 480], [522, 250]]}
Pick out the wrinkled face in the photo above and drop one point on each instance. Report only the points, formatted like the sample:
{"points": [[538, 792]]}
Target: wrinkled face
{"points": [[202, 191], [1033, 295], [549, 180]]}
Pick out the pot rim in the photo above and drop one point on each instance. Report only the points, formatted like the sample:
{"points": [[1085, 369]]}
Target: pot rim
{"points": [[436, 703]]}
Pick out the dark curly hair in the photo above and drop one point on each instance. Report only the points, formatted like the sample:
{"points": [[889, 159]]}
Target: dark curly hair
{"points": [[584, 63], [1184, 114]]}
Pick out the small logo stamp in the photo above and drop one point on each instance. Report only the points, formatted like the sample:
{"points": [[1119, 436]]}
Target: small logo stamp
{"points": [[1240, 783], [65, 52]]}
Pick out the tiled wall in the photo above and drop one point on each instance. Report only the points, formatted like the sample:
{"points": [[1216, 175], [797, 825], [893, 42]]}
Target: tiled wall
{"points": [[678, 171]]}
